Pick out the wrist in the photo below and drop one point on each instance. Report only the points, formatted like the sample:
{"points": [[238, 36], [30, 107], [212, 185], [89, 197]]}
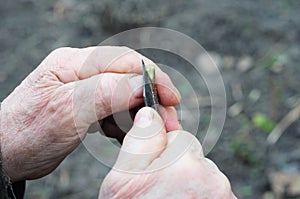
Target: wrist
{"points": [[3, 148], [4, 174], [9, 189]]}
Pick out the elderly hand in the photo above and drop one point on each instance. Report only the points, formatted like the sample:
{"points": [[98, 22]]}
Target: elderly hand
{"points": [[154, 164], [45, 118]]}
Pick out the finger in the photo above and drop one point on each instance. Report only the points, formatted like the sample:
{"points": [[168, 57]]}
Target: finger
{"points": [[187, 143], [97, 97], [168, 94], [170, 118], [71, 64], [181, 146], [118, 124], [144, 142]]}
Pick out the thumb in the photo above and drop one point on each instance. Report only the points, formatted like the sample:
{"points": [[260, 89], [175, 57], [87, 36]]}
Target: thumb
{"points": [[98, 97], [144, 142]]}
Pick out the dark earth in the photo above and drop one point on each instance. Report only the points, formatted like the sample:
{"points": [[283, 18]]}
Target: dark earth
{"points": [[254, 43]]}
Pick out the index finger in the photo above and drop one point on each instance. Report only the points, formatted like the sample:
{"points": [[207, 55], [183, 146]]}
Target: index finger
{"points": [[72, 64]]}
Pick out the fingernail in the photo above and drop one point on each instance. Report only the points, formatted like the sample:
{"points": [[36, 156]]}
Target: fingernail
{"points": [[136, 83], [177, 93], [144, 117]]}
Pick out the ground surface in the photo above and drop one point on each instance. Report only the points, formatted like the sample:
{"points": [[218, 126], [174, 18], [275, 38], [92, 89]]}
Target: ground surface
{"points": [[254, 43]]}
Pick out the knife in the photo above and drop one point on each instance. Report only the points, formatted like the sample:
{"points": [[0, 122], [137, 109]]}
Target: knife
{"points": [[149, 87]]}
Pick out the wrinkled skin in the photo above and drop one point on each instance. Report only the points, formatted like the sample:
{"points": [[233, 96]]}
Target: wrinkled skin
{"points": [[154, 164], [47, 115]]}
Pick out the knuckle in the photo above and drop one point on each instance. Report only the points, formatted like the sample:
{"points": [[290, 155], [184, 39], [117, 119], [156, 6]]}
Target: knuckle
{"points": [[61, 53], [129, 56], [104, 93], [160, 139], [125, 48], [61, 50]]}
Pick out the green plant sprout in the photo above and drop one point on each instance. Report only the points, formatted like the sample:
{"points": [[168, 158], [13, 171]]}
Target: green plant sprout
{"points": [[151, 71], [262, 121]]}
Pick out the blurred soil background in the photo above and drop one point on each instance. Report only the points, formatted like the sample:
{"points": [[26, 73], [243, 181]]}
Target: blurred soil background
{"points": [[254, 43]]}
